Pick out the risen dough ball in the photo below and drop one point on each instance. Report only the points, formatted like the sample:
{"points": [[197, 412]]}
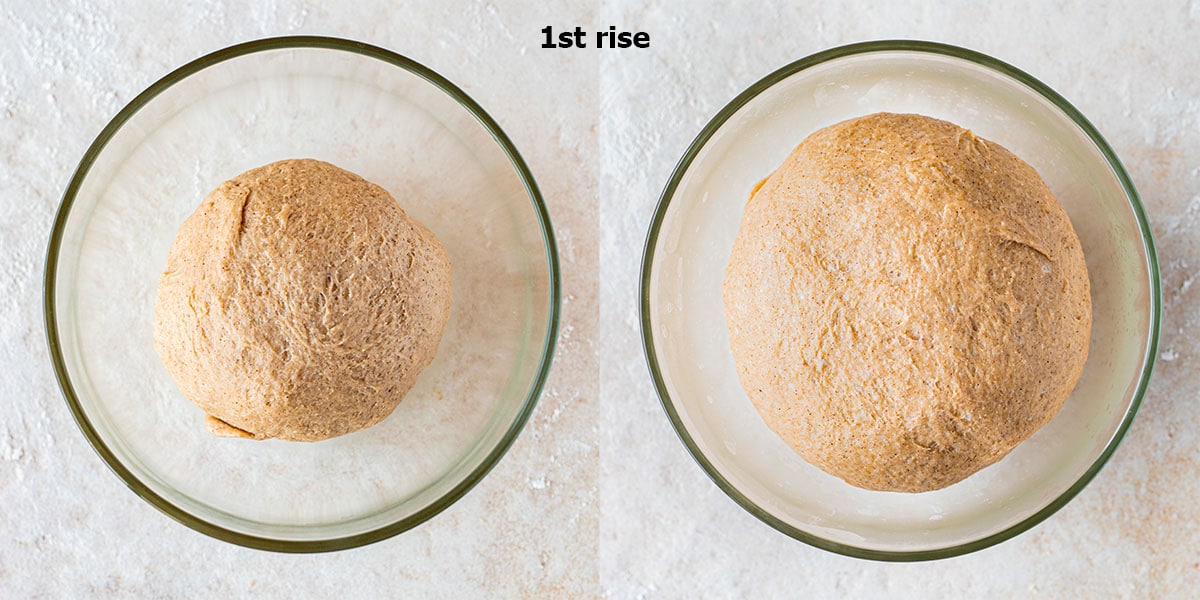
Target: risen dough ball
{"points": [[300, 302], [906, 302]]}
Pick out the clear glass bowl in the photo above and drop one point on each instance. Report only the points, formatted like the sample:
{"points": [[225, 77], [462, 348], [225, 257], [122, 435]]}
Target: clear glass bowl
{"points": [[397, 124], [687, 345]]}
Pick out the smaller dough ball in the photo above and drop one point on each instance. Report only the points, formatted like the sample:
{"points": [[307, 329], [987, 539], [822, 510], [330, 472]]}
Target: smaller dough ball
{"points": [[300, 302], [906, 302]]}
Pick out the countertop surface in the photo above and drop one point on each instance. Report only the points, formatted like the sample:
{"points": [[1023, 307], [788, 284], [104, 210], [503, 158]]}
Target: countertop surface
{"points": [[597, 497]]}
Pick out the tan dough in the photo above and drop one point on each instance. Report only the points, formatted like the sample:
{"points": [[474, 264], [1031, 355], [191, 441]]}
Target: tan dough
{"points": [[906, 302], [300, 302]]}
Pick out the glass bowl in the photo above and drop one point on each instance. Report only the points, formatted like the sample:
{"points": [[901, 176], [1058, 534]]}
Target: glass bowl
{"points": [[373, 112], [687, 345]]}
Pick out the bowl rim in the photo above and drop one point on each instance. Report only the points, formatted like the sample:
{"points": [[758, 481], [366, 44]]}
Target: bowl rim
{"points": [[917, 47], [472, 478]]}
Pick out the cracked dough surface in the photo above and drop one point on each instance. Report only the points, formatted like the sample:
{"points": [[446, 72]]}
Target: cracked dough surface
{"points": [[300, 302], [906, 302]]}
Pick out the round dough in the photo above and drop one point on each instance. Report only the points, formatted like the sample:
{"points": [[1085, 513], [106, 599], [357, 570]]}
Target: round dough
{"points": [[300, 302], [906, 302]]}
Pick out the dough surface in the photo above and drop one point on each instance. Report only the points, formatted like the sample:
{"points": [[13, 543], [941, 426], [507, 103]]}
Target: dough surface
{"points": [[906, 302], [300, 302]]}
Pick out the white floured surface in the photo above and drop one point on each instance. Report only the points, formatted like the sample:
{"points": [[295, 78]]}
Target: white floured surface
{"points": [[597, 496]]}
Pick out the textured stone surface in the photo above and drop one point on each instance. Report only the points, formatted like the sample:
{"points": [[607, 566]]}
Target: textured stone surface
{"points": [[597, 497]]}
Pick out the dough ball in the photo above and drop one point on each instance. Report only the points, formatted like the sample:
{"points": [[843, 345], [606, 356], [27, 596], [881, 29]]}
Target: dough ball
{"points": [[906, 302], [300, 302]]}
